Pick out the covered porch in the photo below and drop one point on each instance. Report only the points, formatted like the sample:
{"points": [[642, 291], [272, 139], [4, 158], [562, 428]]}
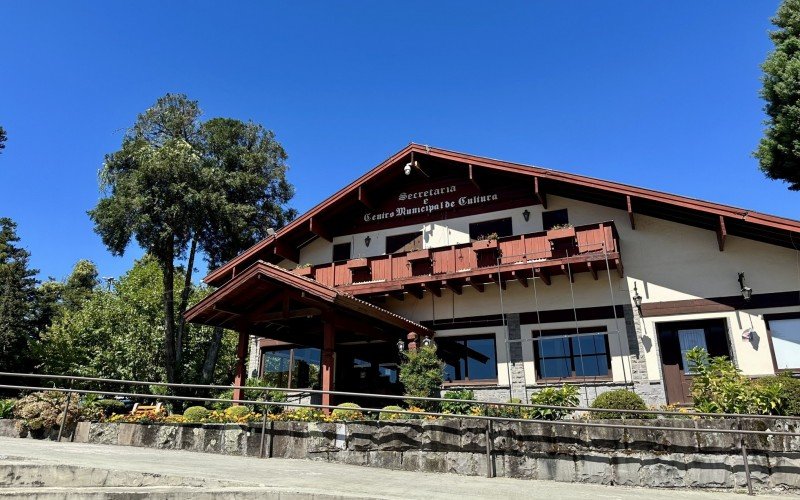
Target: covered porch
{"points": [[281, 307]]}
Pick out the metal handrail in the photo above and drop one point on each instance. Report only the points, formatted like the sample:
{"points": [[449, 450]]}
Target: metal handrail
{"points": [[745, 416]]}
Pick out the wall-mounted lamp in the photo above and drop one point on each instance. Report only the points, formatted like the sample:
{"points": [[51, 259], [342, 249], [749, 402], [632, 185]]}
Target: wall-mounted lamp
{"points": [[526, 215], [367, 240], [637, 299], [401, 346], [427, 341], [747, 292]]}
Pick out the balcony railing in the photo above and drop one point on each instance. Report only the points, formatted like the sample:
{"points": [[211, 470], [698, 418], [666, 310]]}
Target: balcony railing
{"points": [[560, 251]]}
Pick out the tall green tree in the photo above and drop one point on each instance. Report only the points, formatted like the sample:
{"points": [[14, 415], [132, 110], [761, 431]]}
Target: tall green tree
{"points": [[17, 300], [178, 186], [778, 152], [54, 297]]}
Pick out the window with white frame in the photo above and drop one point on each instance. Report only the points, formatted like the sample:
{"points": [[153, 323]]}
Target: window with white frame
{"points": [[785, 336], [571, 354]]}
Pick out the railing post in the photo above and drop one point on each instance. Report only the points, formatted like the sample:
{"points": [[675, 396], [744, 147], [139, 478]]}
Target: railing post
{"points": [[66, 410], [263, 432], [489, 444], [744, 459]]}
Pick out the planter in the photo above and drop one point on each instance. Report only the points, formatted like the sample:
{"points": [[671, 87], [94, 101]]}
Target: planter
{"points": [[561, 234], [357, 263], [418, 255], [304, 271], [484, 245]]}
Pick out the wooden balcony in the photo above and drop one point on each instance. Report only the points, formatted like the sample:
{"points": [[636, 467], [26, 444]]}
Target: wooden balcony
{"points": [[591, 248]]}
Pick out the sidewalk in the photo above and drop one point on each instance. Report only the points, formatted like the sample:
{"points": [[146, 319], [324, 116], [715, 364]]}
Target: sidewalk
{"points": [[219, 476]]}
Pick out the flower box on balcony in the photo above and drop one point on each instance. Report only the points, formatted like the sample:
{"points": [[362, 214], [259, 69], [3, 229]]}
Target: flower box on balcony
{"points": [[304, 271], [417, 255], [561, 233], [358, 263], [484, 245]]}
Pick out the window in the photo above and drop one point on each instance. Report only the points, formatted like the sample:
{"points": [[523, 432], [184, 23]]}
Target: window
{"points": [[785, 336], [479, 230], [404, 242], [567, 354], [341, 251], [469, 358], [291, 368], [554, 218]]}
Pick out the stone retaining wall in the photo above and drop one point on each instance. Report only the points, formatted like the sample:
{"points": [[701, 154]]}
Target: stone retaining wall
{"points": [[529, 450]]}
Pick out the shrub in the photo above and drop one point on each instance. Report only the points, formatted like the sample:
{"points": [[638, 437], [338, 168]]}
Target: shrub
{"points": [[237, 412], [719, 387], [44, 411], [110, 406], [347, 411], [301, 415], [788, 388], [392, 416], [253, 395], [422, 374], [7, 408], [566, 395], [455, 407], [505, 411], [620, 399], [196, 414]]}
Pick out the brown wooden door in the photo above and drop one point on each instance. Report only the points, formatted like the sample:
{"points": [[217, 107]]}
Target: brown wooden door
{"points": [[674, 340]]}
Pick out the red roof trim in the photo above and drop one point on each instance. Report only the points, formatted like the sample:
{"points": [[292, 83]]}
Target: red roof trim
{"points": [[532, 171]]}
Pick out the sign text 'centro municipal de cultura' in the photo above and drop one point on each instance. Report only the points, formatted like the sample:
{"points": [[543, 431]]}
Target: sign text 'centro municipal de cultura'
{"points": [[429, 201]]}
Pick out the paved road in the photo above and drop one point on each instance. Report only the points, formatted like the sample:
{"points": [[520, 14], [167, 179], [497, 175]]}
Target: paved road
{"points": [[282, 478]]}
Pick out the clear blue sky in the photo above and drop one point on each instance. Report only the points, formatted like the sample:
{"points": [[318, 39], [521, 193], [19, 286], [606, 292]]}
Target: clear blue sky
{"points": [[657, 94]]}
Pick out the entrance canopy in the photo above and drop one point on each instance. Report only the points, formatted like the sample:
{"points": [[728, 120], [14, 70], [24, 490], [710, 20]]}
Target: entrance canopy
{"points": [[269, 301]]}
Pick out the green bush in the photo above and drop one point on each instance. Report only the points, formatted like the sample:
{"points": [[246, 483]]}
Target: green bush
{"points": [[7, 408], [789, 389], [457, 408], [422, 374], [505, 411], [239, 411], [719, 387], [347, 411], [110, 406], [620, 399], [566, 395], [392, 416], [196, 414]]}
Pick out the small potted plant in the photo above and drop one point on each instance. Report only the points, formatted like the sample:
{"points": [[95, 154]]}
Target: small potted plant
{"points": [[561, 232], [304, 269], [415, 255], [487, 242]]}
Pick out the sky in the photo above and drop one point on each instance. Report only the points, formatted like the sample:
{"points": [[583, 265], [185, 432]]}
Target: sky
{"points": [[662, 95]]}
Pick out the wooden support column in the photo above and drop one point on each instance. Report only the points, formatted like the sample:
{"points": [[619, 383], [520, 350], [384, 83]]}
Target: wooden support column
{"points": [[630, 212], [240, 376], [721, 233], [328, 342], [539, 193]]}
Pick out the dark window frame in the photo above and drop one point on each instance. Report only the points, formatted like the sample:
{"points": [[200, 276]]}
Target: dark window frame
{"points": [[554, 214], [293, 358], [475, 232], [599, 330], [340, 246], [466, 380], [778, 317], [403, 248]]}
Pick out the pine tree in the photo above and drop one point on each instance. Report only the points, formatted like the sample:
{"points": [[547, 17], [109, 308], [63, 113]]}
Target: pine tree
{"points": [[17, 300]]}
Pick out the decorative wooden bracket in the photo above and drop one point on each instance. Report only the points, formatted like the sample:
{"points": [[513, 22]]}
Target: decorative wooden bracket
{"points": [[592, 269], [544, 275], [414, 290], [433, 287], [721, 233], [454, 286], [315, 227], [363, 198], [539, 193], [630, 212], [472, 176], [477, 285], [521, 276], [281, 249]]}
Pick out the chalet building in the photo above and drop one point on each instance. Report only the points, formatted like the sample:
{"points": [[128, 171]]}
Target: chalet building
{"points": [[523, 276]]}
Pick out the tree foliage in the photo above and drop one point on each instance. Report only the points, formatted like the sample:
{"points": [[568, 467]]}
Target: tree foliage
{"points": [[422, 374], [178, 185], [3, 138], [17, 300], [779, 150]]}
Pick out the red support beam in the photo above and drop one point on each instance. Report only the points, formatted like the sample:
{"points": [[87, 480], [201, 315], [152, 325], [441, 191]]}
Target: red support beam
{"points": [[282, 249], [434, 287], [240, 376], [539, 193], [315, 227], [363, 198], [721, 233], [630, 212], [455, 286], [328, 343], [521, 276], [472, 177], [544, 275], [592, 269], [476, 284]]}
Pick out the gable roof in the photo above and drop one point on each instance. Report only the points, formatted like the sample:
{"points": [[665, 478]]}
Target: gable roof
{"points": [[724, 219]]}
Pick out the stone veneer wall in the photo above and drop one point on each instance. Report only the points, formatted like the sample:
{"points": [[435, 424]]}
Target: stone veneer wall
{"points": [[527, 450]]}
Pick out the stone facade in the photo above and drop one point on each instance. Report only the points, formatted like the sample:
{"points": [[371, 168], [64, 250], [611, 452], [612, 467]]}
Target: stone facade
{"points": [[652, 391], [633, 456]]}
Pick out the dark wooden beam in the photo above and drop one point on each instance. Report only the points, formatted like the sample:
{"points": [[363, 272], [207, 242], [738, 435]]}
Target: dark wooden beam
{"points": [[498, 278], [434, 287], [521, 276], [620, 269], [286, 251], [315, 227], [415, 290], [455, 286], [592, 270], [630, 212], [544, 275], [472, 176], [276, 316], [568, 271], [398, 294], [539, 193], [721, 233], [363, 198], [476, 284]]}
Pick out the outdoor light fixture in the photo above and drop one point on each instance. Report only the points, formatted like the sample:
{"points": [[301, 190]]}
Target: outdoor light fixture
{"points": [[637, 299], [427, 341], [747, 292], [526, 215], [407, 168], [367, 240], [401, 346]]}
